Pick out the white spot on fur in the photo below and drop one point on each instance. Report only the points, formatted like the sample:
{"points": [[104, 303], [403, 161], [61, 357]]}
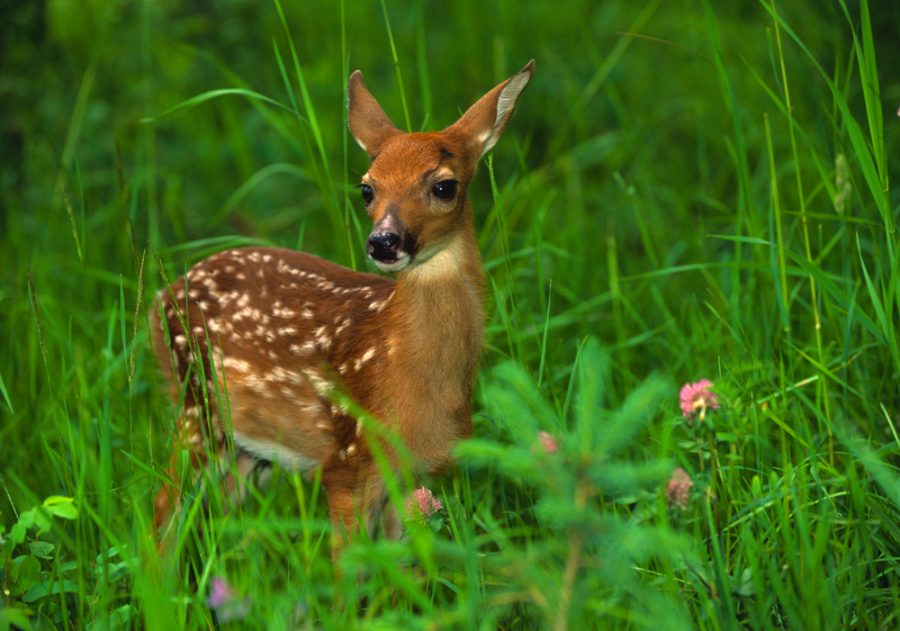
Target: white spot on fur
{"points": [[255, 384], [237, 364], [379, 305], [342, 326], [227, 298], [322, 338], [359, 363], [322, 386], [282, 374], [280, 311], [302, 349]]}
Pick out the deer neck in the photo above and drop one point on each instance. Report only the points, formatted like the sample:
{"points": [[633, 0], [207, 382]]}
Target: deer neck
{"points": [[435, 342], [437, 304]]}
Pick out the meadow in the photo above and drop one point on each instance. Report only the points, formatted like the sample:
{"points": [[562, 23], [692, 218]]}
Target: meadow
{"points": [[687, 190]]}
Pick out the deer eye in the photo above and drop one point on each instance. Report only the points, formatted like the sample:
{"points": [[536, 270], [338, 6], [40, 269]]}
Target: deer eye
{"points": [[367, 193], [445, 189]]}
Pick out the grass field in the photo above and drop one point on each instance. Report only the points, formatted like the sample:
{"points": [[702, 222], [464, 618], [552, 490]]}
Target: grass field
{"points": [[687, 190]]}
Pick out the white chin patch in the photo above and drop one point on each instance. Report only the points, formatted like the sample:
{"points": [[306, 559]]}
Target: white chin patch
{"points": [[402, 261]]}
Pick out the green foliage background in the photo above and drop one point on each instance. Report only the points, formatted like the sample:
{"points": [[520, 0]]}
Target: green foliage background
{"points": [[687, 189]]}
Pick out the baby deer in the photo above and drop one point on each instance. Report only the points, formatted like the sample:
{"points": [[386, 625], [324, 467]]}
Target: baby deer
{"points": [[265, 346]]}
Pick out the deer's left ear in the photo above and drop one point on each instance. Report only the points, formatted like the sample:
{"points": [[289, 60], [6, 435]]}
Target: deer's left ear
{"points": [[369, 125], [481, 125]]}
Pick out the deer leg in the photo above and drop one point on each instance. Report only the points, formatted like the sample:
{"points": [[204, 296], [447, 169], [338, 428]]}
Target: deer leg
{"points": [[354, 499], [343, 516], [217, 466], [168, 500], [235, 477], [392, 522]]}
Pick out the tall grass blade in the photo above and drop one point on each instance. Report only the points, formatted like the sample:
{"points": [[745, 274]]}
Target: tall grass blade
{"points": [[209, 95]]}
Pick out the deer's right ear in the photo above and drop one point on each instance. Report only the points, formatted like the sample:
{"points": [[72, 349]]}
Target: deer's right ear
{"points": [[369, 124], [483, 123]]}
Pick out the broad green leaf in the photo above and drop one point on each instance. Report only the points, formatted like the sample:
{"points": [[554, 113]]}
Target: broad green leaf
{"points": [[17, 532], [15, 617], [41, 549], [42, 590], [60, 506]]}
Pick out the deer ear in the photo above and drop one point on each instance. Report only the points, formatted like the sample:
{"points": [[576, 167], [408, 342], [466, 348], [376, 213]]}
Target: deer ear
{"points": [[369, 124], [482, 124]]}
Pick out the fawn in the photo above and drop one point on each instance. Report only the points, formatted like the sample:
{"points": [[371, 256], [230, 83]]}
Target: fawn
{"points": [[266, 337]]}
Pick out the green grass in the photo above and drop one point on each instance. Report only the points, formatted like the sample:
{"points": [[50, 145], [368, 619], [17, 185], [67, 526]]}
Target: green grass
{"points": [[686, 190]]}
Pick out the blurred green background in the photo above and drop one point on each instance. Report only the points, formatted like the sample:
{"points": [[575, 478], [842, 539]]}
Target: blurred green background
{"points": [[653, 190]]}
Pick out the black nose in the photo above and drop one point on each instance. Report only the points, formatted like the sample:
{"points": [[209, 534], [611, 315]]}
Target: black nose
{"points": [[383, 246]]}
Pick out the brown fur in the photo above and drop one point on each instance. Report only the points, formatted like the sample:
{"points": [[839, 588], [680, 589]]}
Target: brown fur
{"points": [[275, 335]]}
